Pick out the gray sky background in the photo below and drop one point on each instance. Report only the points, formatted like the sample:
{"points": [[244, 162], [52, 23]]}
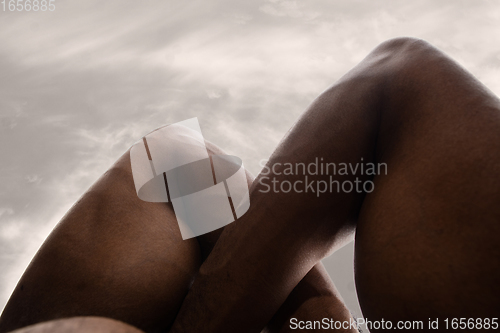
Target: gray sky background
{"points": [[80, 85]]}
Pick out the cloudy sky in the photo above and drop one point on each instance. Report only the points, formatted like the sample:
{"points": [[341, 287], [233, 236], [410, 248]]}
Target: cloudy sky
{"points": [[81, 84]]}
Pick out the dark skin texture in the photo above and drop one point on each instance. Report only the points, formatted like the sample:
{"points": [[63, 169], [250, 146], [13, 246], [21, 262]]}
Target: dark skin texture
{"points": [[112, 255], [116, 256], [80, 325], [426, 239]]}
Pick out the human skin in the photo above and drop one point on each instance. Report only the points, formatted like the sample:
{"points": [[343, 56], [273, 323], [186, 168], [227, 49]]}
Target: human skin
{"points": [[427, 237], [114, 255], [80, 325]]}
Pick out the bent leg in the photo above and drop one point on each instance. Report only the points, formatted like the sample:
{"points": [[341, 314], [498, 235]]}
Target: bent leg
{"points": [[427, 240], [438, 130], [112, 255], [116, 256]]}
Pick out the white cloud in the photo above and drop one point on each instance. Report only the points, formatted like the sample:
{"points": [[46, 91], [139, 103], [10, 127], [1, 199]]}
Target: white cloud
{"points": [[6, 211], [33, 178], [9, 231], [213, 94], [80, 85], [288, 8], [241, 18]]}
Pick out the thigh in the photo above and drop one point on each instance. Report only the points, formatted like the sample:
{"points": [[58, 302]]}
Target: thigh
{"points": [[112, 255], [427, 237]]}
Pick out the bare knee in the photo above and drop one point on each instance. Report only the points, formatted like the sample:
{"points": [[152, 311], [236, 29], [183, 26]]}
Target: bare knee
{"points": [[393, 65], [438, 125], [80, 325], [121, 258]]}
